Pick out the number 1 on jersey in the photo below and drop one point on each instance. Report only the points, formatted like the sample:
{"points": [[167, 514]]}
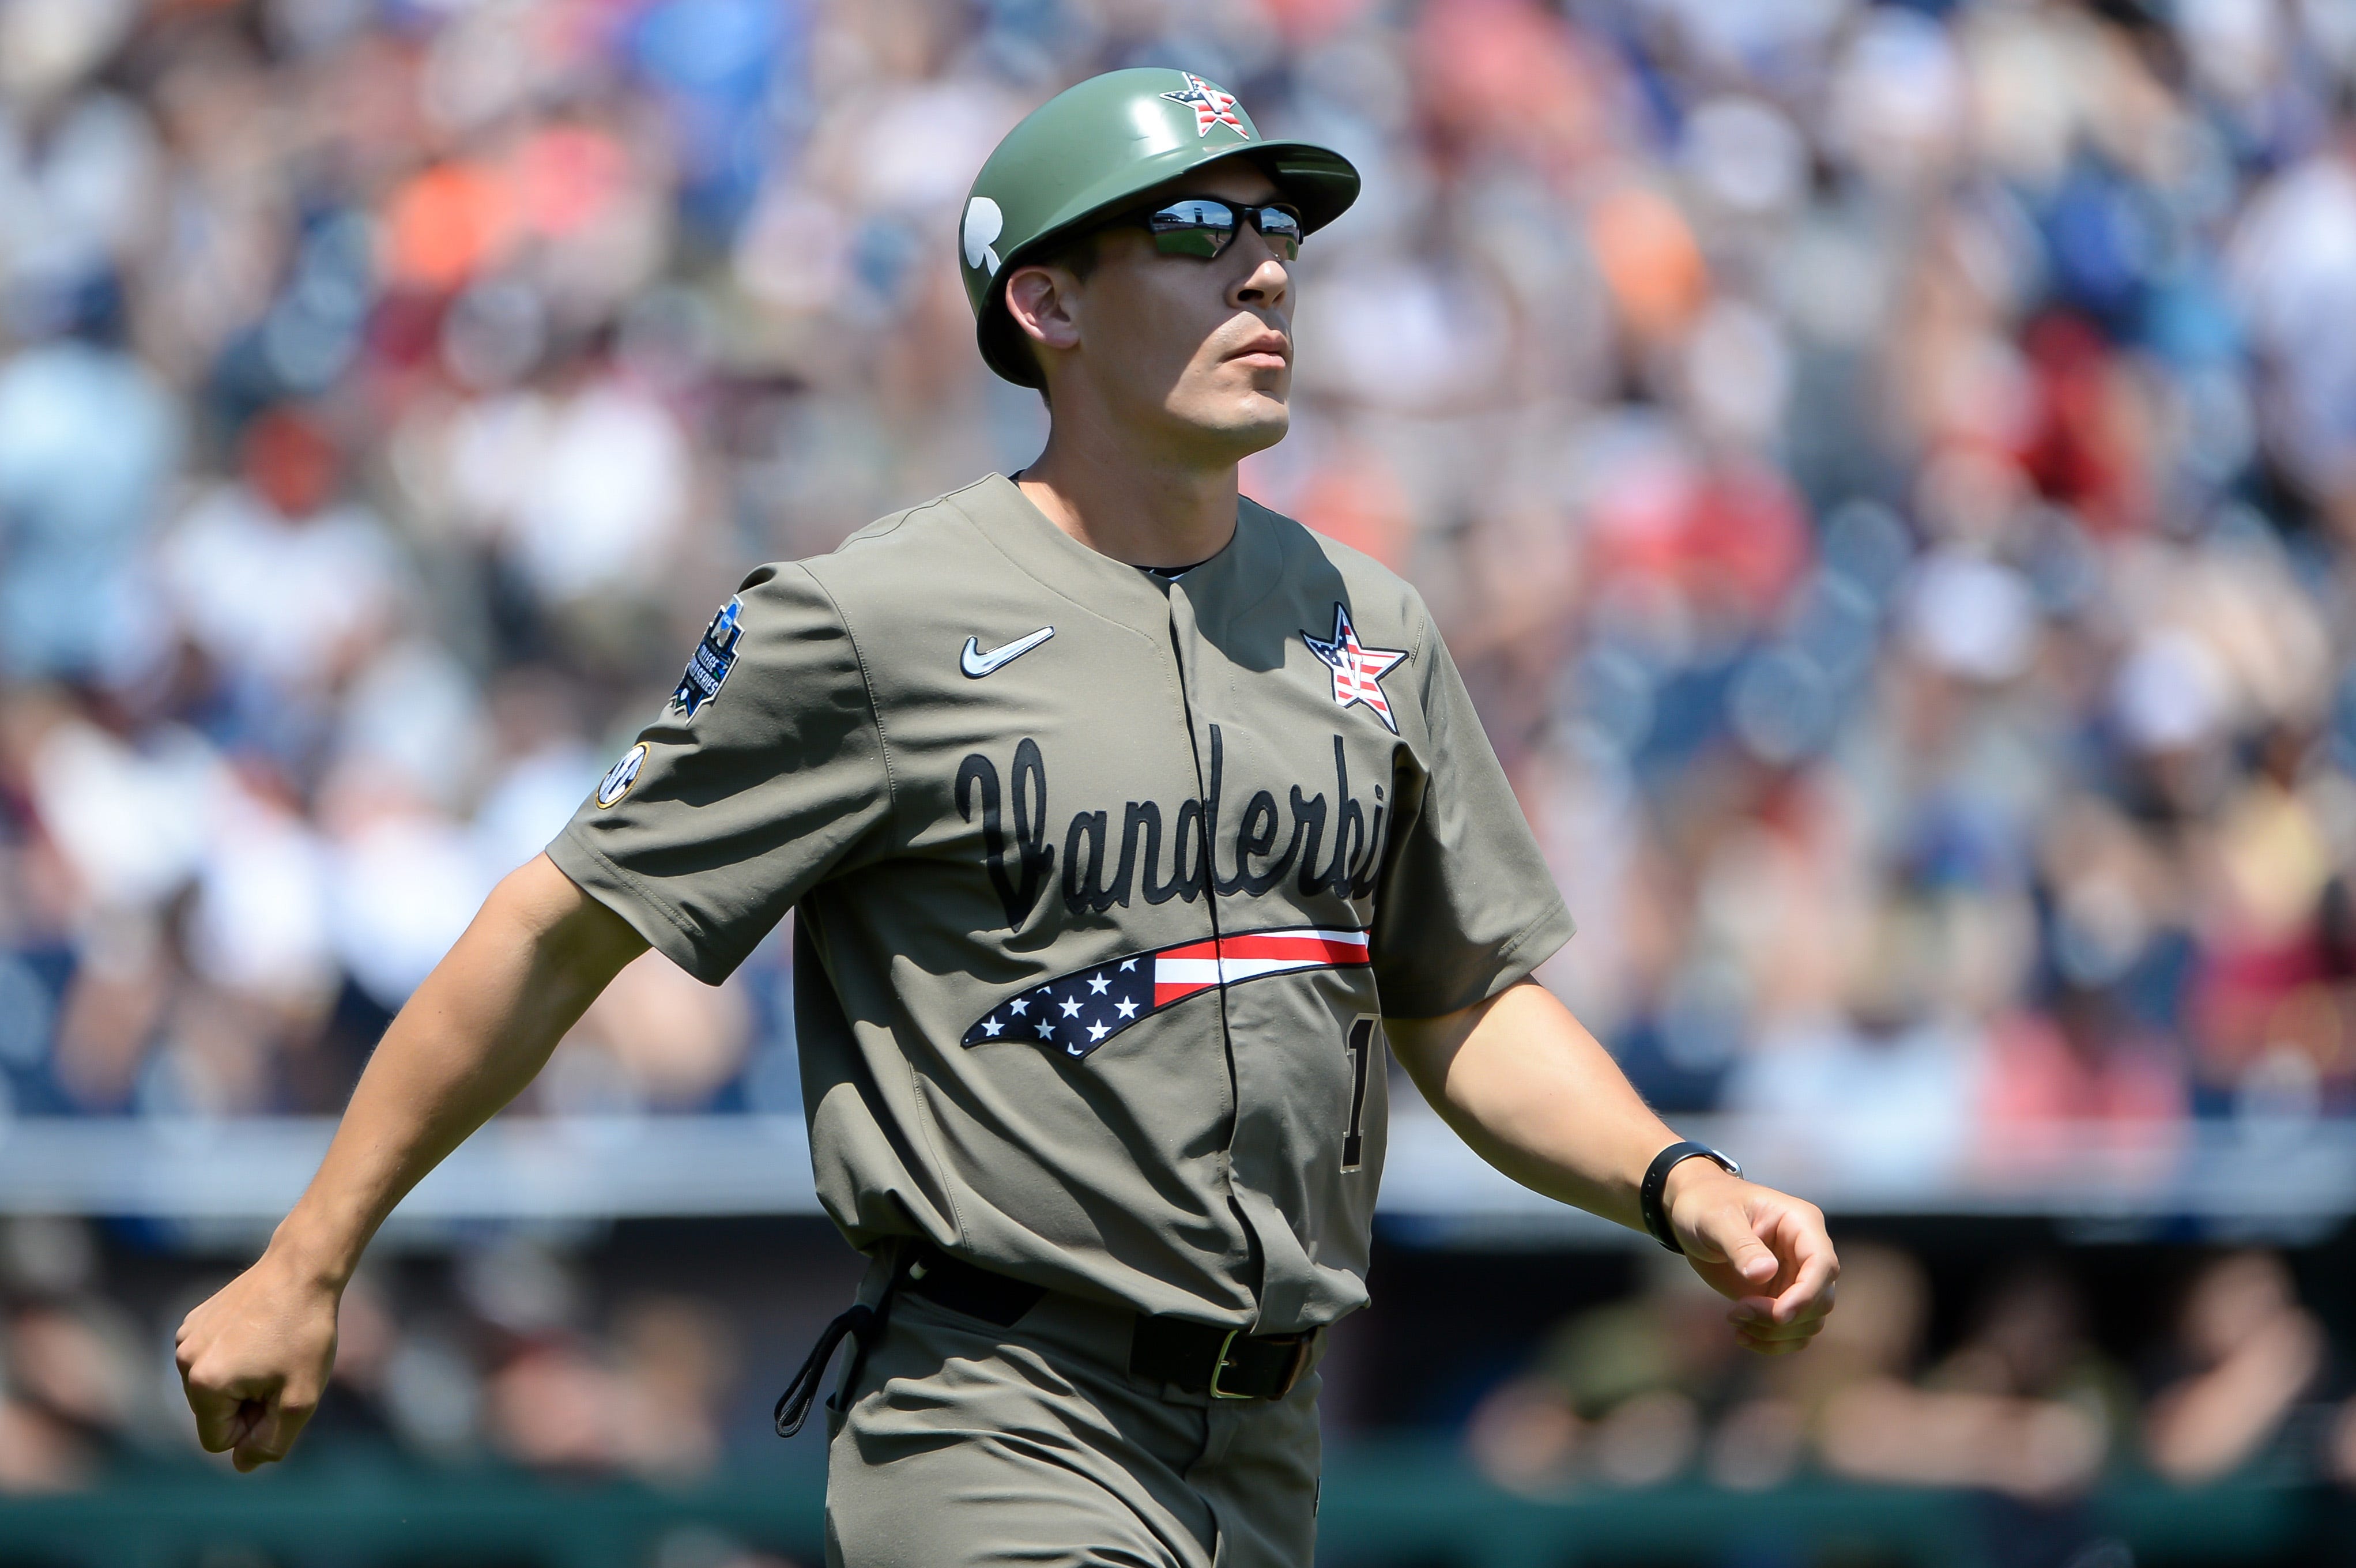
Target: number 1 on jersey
{"points": [[1360, 1043]]}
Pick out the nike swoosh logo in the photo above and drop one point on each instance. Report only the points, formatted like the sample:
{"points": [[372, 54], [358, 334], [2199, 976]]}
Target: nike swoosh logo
{"points": [[976, 664]]}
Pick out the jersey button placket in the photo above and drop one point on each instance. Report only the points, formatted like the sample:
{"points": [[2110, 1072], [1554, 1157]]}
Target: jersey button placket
{"points": [[1186, 651]]}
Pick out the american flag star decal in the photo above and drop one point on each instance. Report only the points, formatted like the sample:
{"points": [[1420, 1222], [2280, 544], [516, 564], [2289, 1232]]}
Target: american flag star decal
{"points": [[1211, 106], [1357, 670], [1073, 1013]]}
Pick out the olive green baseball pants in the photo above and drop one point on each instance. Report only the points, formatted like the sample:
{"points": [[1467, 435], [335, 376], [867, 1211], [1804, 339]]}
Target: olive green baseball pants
{"points": [[962, 1443]]}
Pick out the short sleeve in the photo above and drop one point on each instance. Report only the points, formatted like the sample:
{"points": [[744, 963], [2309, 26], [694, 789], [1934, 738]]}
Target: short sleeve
{"points": [[1467, 906], [765, 775]]}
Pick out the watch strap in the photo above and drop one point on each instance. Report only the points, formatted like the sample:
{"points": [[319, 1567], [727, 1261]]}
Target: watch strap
{"points": [[1655, 1184]]}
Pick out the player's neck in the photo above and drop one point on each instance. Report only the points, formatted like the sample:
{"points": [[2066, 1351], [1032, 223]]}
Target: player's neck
{"points": [[1139, 507]]}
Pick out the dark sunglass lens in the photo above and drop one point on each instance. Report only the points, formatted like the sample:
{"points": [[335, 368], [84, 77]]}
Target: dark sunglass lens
{"points": [[1195, 227], [1204, 243], [1281, 225], [1209, 214]]}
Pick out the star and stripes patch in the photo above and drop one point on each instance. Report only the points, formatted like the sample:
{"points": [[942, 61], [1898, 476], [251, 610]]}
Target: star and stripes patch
{"points": [[1358, 671], [1073, 1013], [1211, 106]]}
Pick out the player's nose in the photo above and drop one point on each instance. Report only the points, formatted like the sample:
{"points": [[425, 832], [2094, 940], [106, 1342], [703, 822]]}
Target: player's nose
{"points": [[1268, 282]]}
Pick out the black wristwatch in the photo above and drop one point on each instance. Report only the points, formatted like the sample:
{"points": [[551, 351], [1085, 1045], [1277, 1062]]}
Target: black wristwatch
{"points": [[1656, 1182]]}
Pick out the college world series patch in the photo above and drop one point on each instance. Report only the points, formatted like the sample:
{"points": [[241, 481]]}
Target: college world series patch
{"points": [[708, 667]]}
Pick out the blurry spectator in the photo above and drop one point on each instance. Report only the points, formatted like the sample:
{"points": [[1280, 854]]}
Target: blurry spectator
{"points": [[72, 1394], [41, 1450], [284, 586], [403, 879], [76, 1364], [1638, 1391], [2245, 1359], [2053, 1075], [655, 1037], [676, 1362], [1990, 1419], [89, 438], [2100, 1051], [582, 493], [556, 1405], [648, 1406], [1891, 1080], [550, 1399], [1619, 1394], [2029, 1341], [534, 775], [39, 1453]]}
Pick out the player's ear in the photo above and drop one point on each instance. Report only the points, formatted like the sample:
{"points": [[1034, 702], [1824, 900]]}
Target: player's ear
{"points": [[1042, 298]]}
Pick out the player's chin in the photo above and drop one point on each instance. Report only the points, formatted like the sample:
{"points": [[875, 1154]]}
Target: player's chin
{"points": [[1240, 421], [1260, 403]]}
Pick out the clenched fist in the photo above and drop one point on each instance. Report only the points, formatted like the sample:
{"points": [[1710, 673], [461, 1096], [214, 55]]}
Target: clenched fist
{"points": [[255, 1358]]}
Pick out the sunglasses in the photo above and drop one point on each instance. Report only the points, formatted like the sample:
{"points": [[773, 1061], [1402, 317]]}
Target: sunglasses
{"points": [[1203, 226]]}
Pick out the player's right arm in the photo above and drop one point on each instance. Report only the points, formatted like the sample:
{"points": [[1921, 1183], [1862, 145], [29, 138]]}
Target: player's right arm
{"points": [[255, 1356]]}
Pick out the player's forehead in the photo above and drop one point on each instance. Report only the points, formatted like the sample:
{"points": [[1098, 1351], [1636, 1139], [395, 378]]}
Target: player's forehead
{"points": [[1238, 180]]}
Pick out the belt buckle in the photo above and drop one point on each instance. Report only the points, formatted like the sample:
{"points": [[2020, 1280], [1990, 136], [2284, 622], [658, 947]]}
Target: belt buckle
{"points": [[1291, 1372], [1221, 1364]]}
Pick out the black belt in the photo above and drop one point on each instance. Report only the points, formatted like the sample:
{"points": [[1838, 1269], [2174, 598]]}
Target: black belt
{"points": [[1198, 1357], [1226, 1363]]}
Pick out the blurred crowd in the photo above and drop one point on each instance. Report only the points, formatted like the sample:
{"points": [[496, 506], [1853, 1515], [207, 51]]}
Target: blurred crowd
{"points": [[509, 1350], [2025, 1410], [510, 1353], [1888, 472]]}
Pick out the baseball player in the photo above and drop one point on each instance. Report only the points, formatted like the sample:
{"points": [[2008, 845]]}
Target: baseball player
{"points": [[1125, 823]]}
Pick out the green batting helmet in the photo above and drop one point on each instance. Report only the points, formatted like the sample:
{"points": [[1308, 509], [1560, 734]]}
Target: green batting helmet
{"points": [[1081, 155]]}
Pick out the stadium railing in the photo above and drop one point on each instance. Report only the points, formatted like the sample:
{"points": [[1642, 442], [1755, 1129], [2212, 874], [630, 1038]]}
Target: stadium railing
{"points": [[2294, 1178]]}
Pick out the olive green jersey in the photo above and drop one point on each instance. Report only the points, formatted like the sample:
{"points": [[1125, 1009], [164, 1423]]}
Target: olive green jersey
{"points": [[1103, 880]]}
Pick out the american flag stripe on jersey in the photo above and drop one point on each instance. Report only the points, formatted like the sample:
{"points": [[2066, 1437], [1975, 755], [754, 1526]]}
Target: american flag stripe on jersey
{"points": [[1076, 1012]]}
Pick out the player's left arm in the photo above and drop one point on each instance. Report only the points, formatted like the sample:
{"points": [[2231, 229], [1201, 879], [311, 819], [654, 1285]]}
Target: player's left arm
{"points": [[1523, 1083]]}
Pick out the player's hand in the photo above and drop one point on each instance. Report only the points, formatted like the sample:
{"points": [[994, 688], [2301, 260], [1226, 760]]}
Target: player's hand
{"points": [[255, 1359], [1764, 1249]]}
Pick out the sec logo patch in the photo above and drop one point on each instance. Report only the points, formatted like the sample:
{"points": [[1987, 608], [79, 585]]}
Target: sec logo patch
{"points": [[621, 776]]}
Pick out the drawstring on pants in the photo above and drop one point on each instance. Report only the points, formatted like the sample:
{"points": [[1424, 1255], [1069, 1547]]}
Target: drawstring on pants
{"points": [[864, 1325]]}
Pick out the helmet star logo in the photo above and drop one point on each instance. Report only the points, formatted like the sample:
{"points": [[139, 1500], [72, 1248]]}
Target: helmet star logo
{"points": [[1211, 106], [1357, 670]]}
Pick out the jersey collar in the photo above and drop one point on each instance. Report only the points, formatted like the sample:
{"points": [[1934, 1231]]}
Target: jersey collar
{"points": [[1113, 589]]}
